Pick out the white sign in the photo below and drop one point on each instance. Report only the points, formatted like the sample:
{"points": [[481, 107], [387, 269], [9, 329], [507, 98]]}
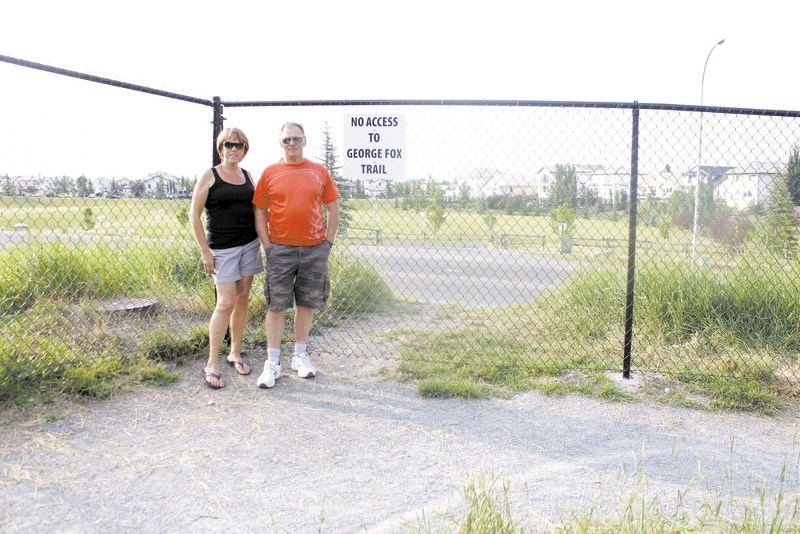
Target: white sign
{"points": [[374, 147]]}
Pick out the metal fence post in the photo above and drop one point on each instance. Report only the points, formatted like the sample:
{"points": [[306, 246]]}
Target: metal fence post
{"points": [[634, 195], [217, 128], [215, 160]]}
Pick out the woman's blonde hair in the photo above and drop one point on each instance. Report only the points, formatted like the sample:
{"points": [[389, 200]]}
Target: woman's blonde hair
{"points": [[227, 134]]}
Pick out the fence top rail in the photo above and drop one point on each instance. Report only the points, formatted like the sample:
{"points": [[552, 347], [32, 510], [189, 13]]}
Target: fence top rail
{"points": [[106, 81], [420, 102], [518, 103]]}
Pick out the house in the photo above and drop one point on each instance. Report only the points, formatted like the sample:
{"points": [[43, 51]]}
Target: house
{"points": [[478, 181], [375, 188], [604, 184], [162, 183], [749, 185], [502, 184], [714, 173], [546, 178]]}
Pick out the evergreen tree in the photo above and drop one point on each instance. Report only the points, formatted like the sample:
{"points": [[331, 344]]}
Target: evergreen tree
{"points": [[463, 194], [331, 162], [63, 185], [82, 186], [565, 186], [8, 187], [793, 175], [782, 220], [160, 188], [778, 230], [707, 203]]}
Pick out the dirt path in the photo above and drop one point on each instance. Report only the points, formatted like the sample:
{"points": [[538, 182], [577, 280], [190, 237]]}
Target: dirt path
{"points": [[350, 452]]}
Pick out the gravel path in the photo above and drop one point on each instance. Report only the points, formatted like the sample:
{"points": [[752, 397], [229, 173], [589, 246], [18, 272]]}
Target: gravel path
{"points": [[351, 452]]}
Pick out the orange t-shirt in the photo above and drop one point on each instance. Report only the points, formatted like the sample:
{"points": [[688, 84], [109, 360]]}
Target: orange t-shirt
{"points": [[293, 195]]}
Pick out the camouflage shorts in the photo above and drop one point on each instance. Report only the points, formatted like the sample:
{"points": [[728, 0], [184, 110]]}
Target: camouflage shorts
{"points": [[297, 274]]}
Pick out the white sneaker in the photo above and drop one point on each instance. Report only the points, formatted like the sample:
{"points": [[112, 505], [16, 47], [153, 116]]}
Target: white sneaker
{"points": [[272, 371], [303, 366]]}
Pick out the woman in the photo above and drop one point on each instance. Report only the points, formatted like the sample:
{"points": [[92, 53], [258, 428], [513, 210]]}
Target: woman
{"points": [[231, 250]]}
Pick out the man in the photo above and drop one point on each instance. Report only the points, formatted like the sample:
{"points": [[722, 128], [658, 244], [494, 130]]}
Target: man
{"points": [[289, 199]]}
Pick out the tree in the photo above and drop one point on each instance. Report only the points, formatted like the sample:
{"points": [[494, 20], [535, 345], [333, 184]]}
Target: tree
{"points": [[730, 229], [8, 187], [463, 193], [114, 189], [565, 186], [490, 220], [782, 220], [187, 183], [680, 208], [562, 220], [435, 211], [793, 175], [778, 231], [620, 199], [183, 216], [331, 162], [707, 203], [137, 188], [88, 221], [63, 185], [82, 186], [160, 188]]}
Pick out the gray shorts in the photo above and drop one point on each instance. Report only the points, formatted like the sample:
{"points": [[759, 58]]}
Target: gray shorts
{"points": [[233, 263], [297, 274]]}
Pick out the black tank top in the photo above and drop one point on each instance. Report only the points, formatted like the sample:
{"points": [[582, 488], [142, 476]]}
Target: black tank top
{"points": [[230, 219]]}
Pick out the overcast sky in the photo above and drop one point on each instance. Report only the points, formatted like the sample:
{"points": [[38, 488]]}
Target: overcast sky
{"points": [[613, 50]]}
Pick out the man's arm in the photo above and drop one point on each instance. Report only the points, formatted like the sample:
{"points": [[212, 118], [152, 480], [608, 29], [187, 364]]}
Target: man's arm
{"points": [[261, 227], [333, 221]]}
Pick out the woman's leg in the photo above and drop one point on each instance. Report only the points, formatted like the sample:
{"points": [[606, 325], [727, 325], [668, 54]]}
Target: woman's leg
{"points": [[238, 320], [226, 299]]}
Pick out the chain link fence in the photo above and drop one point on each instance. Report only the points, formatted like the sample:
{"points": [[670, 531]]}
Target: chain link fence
{"points": [[594, 236]]}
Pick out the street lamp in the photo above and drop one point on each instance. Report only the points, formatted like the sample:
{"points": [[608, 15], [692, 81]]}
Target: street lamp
{"points": [[696, 225]]}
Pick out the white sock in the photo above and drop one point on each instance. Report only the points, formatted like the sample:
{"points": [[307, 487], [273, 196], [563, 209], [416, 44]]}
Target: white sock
{"points": [[274, 354], [300, 349]]}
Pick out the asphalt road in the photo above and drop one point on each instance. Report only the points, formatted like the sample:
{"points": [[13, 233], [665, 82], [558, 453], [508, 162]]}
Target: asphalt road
{"points": [[465, 274]]}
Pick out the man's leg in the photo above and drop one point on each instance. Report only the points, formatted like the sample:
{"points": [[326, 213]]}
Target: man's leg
{"points": [[302, 327], [274, 325], [303, 317]]}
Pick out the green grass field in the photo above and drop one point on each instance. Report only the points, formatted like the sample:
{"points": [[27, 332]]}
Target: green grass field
{"points": [[729, 329], [147, 218]]}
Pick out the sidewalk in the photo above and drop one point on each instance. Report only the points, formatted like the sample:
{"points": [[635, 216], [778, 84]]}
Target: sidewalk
{"points": [[343, 453]]}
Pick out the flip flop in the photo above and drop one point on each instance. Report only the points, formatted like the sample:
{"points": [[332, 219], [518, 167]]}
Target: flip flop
{"points": [[240, 365], [207, 375]]}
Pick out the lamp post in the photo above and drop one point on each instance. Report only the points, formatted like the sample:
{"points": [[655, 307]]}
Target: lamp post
{"points": [[696, 225]]}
